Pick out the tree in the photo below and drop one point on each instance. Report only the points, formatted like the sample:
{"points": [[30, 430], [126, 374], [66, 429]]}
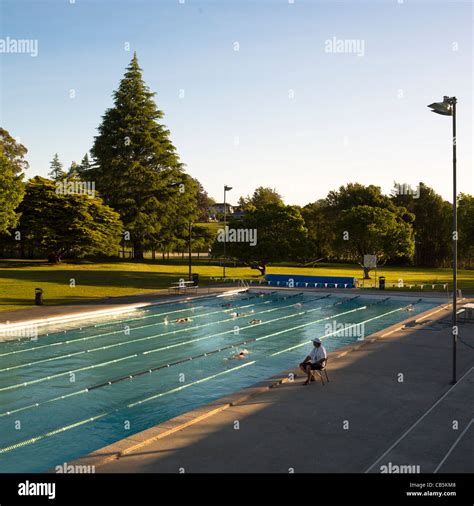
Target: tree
{"points": [[366, 230], [202, 238], [57, 172], [432, 226], [466, 229], [73, 172], [11, 194], [12, 189], [203, 203], [84, 167], [356, 194], [321, 231], [261, 197], [70, 224], [135, 161], [279, 234], [323, 218], [14, 151]]}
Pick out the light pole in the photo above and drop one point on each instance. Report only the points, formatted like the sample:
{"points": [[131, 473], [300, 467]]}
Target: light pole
{"points": [[226, 189], [448, 108]]}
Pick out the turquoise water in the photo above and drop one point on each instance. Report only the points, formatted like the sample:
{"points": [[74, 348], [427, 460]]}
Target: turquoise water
{"points": [[74, 390]]}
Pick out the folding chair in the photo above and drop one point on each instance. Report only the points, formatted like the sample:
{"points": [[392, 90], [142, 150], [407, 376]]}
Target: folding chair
{"points": [[320, 372]]}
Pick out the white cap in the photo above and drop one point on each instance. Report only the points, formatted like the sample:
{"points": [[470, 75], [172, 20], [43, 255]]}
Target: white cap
{"points": [[317, 340]]}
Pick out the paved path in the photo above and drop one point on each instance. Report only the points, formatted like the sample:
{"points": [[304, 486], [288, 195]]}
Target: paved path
{"points": [[388, 403]]}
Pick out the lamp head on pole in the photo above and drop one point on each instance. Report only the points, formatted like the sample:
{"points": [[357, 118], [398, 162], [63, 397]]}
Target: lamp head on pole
{"points": [[445, 108], [227, 188]]}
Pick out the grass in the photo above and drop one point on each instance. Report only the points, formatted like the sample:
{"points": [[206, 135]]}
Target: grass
{"points": [[76, 282]]}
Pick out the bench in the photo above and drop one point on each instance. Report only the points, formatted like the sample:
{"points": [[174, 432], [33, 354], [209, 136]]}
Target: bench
{"points": [[182, 287]]}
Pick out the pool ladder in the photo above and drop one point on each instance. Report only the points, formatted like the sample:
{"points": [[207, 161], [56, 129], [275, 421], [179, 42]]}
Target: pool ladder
{"points": [[243, 284]]}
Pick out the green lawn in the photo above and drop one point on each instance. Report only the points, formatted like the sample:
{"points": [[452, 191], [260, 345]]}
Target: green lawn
{"points": [[18, 279]]}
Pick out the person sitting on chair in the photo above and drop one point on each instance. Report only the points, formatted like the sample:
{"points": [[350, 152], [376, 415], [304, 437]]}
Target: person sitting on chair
{"points": [[314, 361]]}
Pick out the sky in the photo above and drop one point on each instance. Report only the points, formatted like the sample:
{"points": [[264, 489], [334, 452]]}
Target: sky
{"points": [[299, 95]]}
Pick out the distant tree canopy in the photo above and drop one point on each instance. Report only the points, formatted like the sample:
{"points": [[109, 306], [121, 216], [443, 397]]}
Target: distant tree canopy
{"points": [[321, 231], [73, 225], [203, 203], [261, 197], [432, 226], [14, 151], [359, 220], [367, 230], [12, 165], [136, 167], [278, 233], [466, 229]]}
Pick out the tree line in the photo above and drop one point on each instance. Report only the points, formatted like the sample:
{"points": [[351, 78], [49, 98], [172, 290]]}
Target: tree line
{"points": [[133, 192], [354, 221]]}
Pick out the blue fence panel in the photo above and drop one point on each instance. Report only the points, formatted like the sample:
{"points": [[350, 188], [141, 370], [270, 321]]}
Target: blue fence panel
{"points": [[299, 281]]}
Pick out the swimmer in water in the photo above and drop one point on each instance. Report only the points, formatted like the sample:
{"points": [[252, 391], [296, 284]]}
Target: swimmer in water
{"points": [[255, 322], [409, 308], [183, 320], [239, 356], [298, 305], [226, 305]]}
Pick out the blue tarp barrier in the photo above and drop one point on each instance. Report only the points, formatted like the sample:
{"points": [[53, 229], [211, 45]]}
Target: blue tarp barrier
{"points": [[299, 281]]}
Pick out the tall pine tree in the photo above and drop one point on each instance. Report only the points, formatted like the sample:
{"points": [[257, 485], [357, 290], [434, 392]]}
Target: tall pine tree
{"points": [[135, 163], [57, 171], [84, 166]]}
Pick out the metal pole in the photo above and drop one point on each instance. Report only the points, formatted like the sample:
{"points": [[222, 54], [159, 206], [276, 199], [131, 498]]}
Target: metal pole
{"points": [[189, 251], [455, 244], [225, 231]]}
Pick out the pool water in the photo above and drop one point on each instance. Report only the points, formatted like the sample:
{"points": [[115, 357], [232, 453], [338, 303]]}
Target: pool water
{"points": [[76, 389]]}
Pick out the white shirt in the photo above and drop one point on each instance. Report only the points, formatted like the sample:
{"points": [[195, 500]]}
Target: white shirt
{"points": [[318, 354]]}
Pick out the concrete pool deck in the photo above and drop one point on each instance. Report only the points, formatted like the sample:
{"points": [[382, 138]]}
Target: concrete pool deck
{"points": [[129, 302], [389, 403]]}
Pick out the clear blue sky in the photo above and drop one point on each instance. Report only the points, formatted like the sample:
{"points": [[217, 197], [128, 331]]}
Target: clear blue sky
{"points": [[346, 121]]}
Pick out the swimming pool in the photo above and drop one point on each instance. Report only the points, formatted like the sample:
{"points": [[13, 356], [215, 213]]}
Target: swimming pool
{"points": [[76, 389]]}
